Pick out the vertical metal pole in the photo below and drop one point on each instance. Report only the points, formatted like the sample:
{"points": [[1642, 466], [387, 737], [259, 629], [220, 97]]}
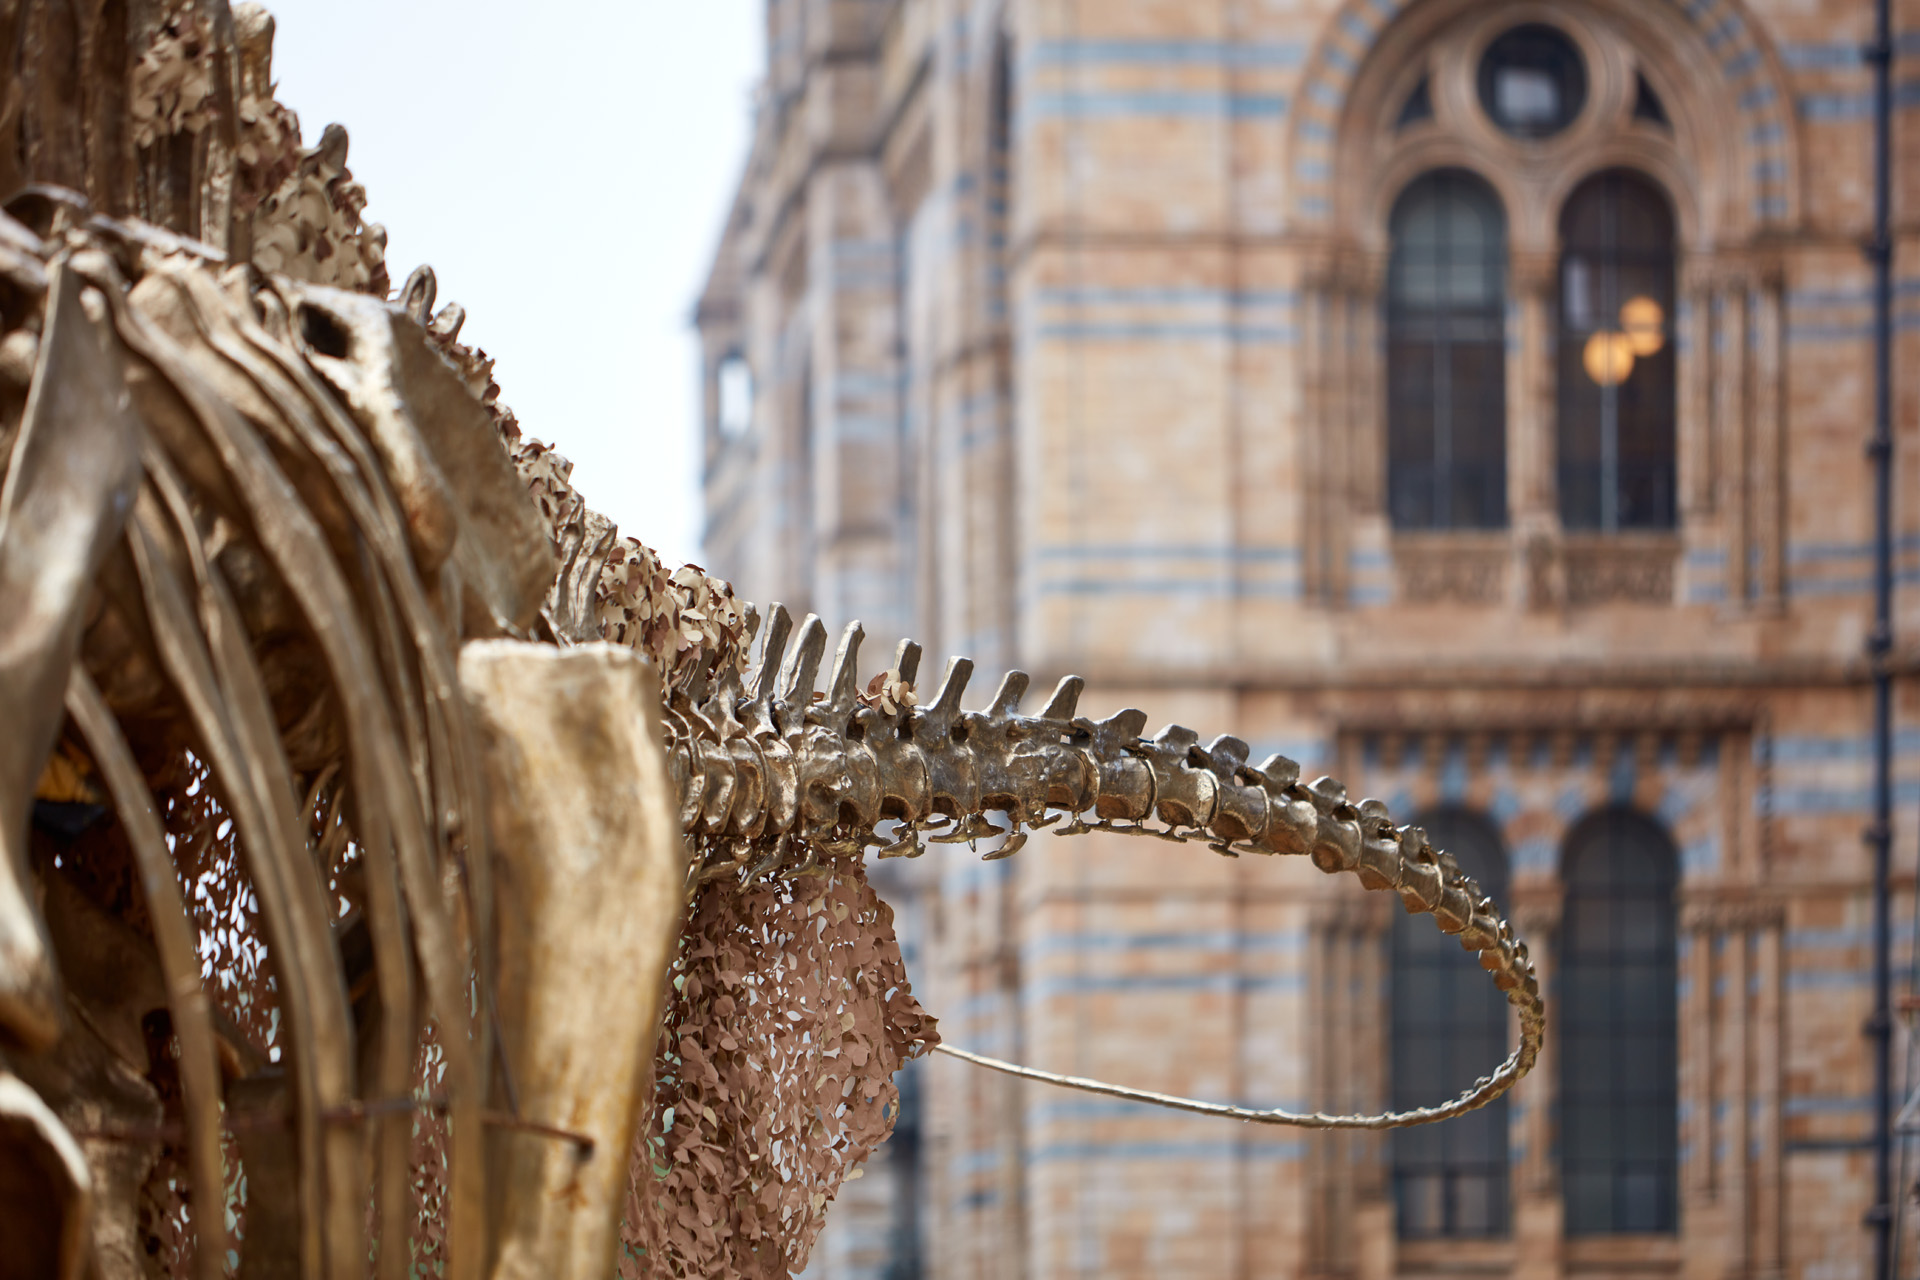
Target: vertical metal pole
{"points": [[1609, 291], [1609, 456], [1880, 1218]]}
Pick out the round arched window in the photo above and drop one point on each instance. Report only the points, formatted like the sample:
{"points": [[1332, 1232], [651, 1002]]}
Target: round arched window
{"points": [[1532, 81]]}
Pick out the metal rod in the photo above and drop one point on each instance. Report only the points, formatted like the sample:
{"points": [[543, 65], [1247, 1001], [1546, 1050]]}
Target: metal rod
{"points": [[351, 1113], [1276, 1116], [1878, 54]]}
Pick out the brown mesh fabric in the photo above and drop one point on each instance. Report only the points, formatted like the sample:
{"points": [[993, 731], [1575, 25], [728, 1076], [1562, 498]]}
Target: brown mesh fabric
{"points": [[225, 912], [428, 1244], [789, 1015], [236, 970], [225, 915]]}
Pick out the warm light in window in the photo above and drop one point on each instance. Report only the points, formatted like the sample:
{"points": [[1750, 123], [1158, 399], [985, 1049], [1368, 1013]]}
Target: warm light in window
{"points": [[1644, 321], [1608, 357]]}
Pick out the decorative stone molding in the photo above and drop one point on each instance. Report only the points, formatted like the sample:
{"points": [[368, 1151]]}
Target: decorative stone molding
{"points": [[1740, 151], [1729, 915], [1452, 569], [1620, 570], [1539, 905]]}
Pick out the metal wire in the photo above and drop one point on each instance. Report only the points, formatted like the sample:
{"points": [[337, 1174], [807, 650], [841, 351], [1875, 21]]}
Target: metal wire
{"points": [[1485, 1090]]}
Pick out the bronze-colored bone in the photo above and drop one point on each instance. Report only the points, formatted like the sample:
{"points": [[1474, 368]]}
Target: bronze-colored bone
{"points": [[1380, 860], [46, 1192], [591, 870], [953, 780], [1420, 875], [95, 1087], [1044, 761], [175, 957], [459, 492], [906, 784], [1336, 841], [1242, 811], [1183, 795], [69, 485]]}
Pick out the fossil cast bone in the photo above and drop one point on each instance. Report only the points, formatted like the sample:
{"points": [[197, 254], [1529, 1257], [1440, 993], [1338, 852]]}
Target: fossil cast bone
{"points": [[316, 676], [769, 778], [589, 866]]}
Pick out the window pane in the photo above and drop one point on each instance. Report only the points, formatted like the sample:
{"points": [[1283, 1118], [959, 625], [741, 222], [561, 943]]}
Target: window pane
{"points": [[1532, 82], [735, 384], [1418, 106], [1616, 367], [1619, 1133], [1646, 103], [1446, 355], [1449, 1029]]}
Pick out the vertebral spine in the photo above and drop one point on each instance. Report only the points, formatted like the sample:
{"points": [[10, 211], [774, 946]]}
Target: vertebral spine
{"points": [[769, 777]]}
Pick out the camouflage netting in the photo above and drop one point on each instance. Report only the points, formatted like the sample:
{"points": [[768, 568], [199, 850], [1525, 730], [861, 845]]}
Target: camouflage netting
{"points": [[790, 1010], [790, 1015]]}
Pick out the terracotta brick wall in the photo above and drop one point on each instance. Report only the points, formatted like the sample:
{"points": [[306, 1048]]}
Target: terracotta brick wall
{"points": [[1111, 400]]}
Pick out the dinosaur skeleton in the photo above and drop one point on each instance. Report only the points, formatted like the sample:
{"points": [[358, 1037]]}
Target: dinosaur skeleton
{"points": [[771, 779], [298, 621]]}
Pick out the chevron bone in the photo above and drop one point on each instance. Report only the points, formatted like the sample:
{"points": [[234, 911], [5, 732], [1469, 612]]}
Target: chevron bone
{"points": [[771, 775]]}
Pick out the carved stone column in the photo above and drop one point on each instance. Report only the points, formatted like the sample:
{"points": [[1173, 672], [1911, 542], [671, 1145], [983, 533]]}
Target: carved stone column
{"points": [[1367, 277], [1325, 975], [1532, 446], [1730, 430], [1702, 572], [1732, 1084], [1311, 439], [1367, 532], [1334, 438], [1768, 1249], [1694, 433], [1703, 1206], [1733, 959], [1373, 1208], [1768, 518], [1697, 1173], [1539, 1216], [1345, 1192], [1337, 442]]}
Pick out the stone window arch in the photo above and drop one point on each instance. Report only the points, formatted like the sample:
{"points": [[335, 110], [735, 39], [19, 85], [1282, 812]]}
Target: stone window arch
{"points": [[1451, 1179], [1618, 1037], [1650, 90], [1446, 354]]}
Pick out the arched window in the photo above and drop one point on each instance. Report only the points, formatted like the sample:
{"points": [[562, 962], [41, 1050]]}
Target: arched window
{"points": [[1446, 355], [1449, 1029], [733, 396], [1616, 374], [1619, 1134]]}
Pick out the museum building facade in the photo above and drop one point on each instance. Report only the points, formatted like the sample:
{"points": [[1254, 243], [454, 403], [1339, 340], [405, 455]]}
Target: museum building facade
{"points": [[1466, 398]]}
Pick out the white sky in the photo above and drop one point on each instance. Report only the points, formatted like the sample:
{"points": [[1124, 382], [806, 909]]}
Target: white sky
{"points": [[565, 169]]}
